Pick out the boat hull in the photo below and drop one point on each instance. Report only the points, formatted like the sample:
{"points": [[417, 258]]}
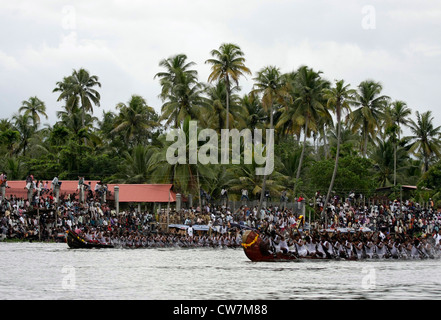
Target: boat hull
{"points": [[76, 242], [256, 250]]}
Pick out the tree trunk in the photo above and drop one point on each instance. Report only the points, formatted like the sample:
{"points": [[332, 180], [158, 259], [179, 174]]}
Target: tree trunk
{"points": [[227, 86], [199, 188], [227, 119], [395, 155], [173, 173], [365, 138], [262, 193], [301, 157], [426, 162], [395, 163], [334, 174], [325, 143]]}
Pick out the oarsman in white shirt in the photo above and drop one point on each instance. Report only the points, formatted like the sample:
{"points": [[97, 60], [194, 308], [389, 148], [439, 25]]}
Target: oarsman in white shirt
{"points": [[437, 237], [190, 231]]}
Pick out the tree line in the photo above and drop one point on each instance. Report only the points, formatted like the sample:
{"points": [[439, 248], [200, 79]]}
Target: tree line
{"points": [[330, 136]]}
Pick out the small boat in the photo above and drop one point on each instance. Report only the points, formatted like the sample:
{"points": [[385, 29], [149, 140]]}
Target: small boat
{"points": [[74, 241]]}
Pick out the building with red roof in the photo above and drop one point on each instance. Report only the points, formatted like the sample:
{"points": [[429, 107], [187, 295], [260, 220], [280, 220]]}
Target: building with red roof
{"points": [[128, 193]]}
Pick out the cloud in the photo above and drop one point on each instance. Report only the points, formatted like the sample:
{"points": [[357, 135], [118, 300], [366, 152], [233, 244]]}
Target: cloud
{"points": [[8, 63], [122, 42], [428, 50]]}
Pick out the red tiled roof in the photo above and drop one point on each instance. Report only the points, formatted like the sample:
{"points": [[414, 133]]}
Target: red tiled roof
{"points": [[127, 192], [144, 192]]}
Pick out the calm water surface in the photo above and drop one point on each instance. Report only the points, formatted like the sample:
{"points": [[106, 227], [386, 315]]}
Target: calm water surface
{"points": [[53, 271]]}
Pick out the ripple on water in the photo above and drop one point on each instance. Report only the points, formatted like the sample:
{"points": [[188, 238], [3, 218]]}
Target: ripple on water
{"points": [[38, 271]]}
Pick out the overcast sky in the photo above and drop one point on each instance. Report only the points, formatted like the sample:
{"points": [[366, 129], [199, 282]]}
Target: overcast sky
{"points": [[396, 42]]}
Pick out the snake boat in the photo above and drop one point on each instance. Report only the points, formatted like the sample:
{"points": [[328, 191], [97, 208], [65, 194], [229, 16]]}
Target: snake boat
{"points": [[74, 241]]}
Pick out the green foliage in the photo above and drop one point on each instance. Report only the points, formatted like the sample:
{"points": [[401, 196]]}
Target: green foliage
{"points": [[354, 173], [9, 138], [432, 178], [128, 144]]}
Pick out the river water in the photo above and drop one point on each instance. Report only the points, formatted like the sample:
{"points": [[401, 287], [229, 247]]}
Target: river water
{"points": [[34, 271]]}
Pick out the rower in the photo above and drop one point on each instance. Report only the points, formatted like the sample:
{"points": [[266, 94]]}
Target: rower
{"points": [[339, 250], [311, 246], [302, 250], [401, 250], [437, 238], [428, 249], [380, 249], [328, 247], [348, 249], [370, 249], [320, 250], [283, 245], [393, 249], [359, 250]]}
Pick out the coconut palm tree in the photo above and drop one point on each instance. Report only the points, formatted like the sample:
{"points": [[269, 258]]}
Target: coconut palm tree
{"points": [[426, 137], [183, 99], [339, 98], [324, 123], [255, 114], [34, 107], [216, 111], [228, 65], [135, 120], [397, 114], [71, 101], [270, 84], [22, 123], [175, 67], [243, 176], [77, 90], [136, 165], [10, 137], [180, 90], [185, 176], [14, 167], [371, 110], [348, 139], [80, 126], [309, 105], [286, 124], [385, 157]]}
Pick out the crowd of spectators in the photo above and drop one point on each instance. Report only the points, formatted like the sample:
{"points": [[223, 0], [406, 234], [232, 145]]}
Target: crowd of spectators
{"points": [[43, 218]]}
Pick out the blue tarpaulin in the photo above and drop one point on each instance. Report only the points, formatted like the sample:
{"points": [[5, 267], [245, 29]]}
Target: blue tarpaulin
{"points": [[196, 227]]}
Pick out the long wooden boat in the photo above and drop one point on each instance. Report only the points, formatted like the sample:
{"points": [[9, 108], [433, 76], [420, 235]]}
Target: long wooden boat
{"points": [[76, 242], [256, 250]]}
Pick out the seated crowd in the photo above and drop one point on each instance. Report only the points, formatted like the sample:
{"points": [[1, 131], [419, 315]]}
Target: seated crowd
{"points": [[401, 224]]}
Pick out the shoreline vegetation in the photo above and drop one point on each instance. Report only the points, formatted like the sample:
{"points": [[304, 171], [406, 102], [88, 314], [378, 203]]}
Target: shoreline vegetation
{"points": [[331, 137]]}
